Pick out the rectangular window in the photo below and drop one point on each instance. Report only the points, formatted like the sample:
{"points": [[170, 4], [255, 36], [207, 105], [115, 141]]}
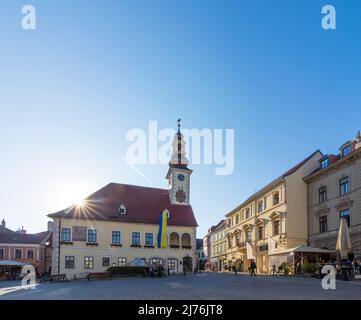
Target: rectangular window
{"points": [[237, 219], [247, 214], [92, 235], [260, 233], [116, 237], [30, 254], [149, 239], [69, 262], [346, 214], [276, 227], [135, 238], [248, 236], [344, 186], [122, 261], [238, 240], [88, 262], [323, 224], [276, 198], [263, 248], [2, 253], [17, 253], [172, 264], [66, 234], [106, 262], [322, 195], [156, 261], [347, 150], [260, 207]]}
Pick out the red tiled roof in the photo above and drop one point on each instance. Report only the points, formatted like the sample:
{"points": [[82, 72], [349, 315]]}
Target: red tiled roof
{"points": [[219, 225], [5, 230], [14, 237], [333, 158], [143, 205]]}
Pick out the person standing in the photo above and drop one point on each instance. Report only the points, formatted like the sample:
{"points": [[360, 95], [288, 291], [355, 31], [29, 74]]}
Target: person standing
{"points": [[355, 266], [253, 268]]}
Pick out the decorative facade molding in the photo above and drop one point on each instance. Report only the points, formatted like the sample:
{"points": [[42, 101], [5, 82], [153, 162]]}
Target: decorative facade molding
{"points": [[344, 203]]}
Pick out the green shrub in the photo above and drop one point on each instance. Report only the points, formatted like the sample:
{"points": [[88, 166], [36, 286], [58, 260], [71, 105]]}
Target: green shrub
{"points": [[285, 268], [127, 271], [309, 268]]}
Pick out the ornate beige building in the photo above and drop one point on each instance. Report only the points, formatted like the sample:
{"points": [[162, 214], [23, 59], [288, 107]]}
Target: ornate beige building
{"points": [[119, 223], [334, 190], [277, 211]]}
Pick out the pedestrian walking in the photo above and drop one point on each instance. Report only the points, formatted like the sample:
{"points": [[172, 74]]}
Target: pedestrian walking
{"points": [[274, 269], [235, 270], [253, 268]]}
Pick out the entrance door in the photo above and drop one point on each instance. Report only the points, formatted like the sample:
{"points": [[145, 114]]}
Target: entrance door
{"points": [[187, 264]]}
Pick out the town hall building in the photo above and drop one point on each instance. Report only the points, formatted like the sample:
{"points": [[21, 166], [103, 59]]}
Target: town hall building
{"points": [[119, 223]]}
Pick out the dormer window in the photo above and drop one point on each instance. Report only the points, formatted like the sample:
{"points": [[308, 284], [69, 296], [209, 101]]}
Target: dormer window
{"points": [[122, 210], [346, 150], [324, 162]]}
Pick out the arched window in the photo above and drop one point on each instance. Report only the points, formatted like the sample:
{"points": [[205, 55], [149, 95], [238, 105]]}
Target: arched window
{"points": [[186, 241], [174, 240]]}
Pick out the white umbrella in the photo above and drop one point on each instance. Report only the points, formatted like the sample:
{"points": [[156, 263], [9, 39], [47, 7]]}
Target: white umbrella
{"points": [[343, 244]]}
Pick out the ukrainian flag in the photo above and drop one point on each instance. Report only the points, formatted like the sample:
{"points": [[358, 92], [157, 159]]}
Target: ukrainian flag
{"points": [[162, 233]]}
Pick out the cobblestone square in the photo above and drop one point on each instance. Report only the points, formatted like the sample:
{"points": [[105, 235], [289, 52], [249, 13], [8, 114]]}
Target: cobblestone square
{"points": [[201, 286]]}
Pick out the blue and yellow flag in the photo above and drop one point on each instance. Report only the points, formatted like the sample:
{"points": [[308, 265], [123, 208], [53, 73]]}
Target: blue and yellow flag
{"points": [[162, 233]]}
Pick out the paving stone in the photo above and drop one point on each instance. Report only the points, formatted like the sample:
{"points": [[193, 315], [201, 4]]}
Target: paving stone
{"points": [[179, 287]]}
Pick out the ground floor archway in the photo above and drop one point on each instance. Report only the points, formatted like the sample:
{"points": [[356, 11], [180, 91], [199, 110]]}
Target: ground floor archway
{"points": [[187, 264]]}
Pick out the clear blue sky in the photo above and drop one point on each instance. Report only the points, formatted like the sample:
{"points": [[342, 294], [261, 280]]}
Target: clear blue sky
{"points": [[71, 90]]}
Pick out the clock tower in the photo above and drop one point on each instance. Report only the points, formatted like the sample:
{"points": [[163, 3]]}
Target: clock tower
{"points": [[178, 175]]}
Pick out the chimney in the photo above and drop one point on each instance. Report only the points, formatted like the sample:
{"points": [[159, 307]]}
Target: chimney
{"points": [[50, 226], [3, 224], [21, 231]]}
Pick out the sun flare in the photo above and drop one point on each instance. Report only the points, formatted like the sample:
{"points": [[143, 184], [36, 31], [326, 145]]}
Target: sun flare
{"points": [[71, 193], [80, 203]]}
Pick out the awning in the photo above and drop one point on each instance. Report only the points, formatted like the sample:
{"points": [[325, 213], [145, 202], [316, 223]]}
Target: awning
{"points": [[304, 249], [12, 263]]}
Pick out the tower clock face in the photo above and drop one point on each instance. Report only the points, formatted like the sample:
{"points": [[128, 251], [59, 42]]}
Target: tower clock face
{"points": [[181, 177]]}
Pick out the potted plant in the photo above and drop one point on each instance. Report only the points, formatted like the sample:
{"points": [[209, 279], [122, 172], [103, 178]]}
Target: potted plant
{"points": [[309, 269], [285, 267]]}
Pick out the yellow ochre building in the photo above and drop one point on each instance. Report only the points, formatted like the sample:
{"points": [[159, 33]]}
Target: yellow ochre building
{"points": [[278, 211]]}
